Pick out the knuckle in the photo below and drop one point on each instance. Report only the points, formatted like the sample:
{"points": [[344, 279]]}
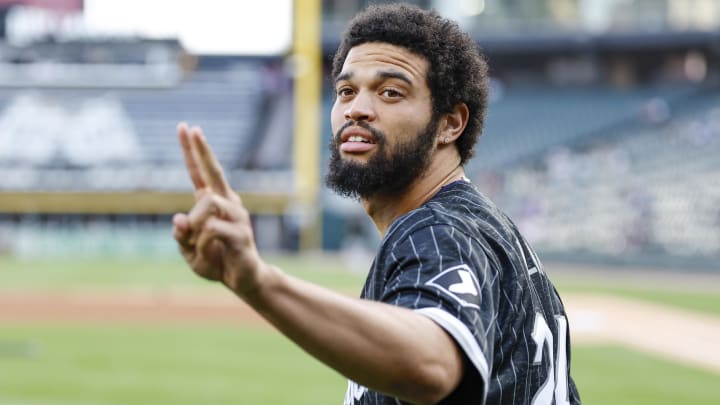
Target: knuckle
{"points": [[216, 199], [217, 206], [207, 199], [205, 207], [211, 226], [245, 237], [234, 197]]}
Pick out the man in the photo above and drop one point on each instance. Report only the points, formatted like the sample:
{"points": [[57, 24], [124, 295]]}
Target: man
{"points": [[456, 308]]}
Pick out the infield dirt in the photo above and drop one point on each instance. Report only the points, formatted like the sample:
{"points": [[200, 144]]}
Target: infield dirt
{"points": [[682, 336]]}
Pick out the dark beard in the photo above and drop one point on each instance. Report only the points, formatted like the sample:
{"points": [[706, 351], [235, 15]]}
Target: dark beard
{"points": [[384, 173]]}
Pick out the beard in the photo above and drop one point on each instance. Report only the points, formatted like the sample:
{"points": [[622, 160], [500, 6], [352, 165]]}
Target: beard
{"points": [[389, 171]]}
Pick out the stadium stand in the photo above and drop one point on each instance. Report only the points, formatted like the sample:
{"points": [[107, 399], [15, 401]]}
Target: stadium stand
{"points": [[640, 191], [96, 127], [529, 119], [599, 144], [99, 116]]}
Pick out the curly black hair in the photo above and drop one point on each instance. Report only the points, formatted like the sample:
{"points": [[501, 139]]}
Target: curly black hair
{"points": [[457, 72]]}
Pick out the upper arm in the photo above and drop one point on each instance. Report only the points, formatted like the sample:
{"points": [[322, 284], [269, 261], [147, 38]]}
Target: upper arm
{"points": [[445, 276]]}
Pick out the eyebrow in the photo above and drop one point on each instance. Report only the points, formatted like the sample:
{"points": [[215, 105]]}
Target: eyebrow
{"points": [[387, 74], [384, 74]]}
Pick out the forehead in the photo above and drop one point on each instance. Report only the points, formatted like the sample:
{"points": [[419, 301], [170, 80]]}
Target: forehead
{"points": [[371, 57]]}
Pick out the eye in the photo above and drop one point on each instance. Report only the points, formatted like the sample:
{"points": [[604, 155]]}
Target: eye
{"points": [[344, 92], [391, 93]]}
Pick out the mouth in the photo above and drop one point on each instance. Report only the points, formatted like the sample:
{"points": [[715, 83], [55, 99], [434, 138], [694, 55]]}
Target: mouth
{"points": [[357, 134], [356, 140]]}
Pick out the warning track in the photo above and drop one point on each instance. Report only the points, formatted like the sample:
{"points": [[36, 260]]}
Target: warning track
{"points": [[680, 335]]}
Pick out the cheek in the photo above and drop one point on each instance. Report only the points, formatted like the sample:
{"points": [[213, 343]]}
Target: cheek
{"points": [[337, 118]]}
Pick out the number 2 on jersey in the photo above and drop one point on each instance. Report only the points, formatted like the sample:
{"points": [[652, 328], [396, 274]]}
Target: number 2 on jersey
{"points": [[557, 380]]}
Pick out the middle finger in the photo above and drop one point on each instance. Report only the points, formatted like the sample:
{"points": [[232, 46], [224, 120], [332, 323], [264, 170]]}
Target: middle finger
{"points": [[209, 165]]}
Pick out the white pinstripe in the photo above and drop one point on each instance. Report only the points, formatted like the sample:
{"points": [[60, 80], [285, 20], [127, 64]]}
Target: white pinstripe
{"points": [[467, 231], [463, 337]]}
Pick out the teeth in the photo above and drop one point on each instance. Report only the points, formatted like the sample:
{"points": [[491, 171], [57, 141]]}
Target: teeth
{"points": [[356, 139]]}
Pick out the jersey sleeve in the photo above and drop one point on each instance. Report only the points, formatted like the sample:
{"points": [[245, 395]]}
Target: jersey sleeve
{"points": [[445, 275]]}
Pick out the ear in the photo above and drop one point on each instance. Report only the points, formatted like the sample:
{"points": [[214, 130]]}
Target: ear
{"points": [[453, 124]]}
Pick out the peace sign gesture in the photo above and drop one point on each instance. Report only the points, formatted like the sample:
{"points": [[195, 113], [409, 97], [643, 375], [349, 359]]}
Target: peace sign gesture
{"points": [[215, 237]]}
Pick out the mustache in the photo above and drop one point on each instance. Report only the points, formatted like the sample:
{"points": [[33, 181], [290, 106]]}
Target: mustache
{"points": [[377, 135]]}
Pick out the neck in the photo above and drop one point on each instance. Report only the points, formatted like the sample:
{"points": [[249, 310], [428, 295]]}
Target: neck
{"points": [[383, 209]]}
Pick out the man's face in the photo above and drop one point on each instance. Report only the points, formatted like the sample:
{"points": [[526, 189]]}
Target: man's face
{"points": [[382, 121]]}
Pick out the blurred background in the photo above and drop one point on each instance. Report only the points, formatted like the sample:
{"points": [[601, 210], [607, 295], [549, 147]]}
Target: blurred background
{"points": [[602, 142], [602, 138]]}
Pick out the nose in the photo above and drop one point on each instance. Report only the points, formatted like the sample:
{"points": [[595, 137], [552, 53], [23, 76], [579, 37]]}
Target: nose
{"points": [[360, 108]]}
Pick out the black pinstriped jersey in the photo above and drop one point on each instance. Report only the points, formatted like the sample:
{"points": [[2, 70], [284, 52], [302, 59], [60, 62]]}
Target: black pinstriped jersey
{"points": [[461, 262]]}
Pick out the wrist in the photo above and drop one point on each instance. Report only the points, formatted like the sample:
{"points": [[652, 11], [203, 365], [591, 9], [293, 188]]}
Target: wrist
{"points": [[267, 277]]}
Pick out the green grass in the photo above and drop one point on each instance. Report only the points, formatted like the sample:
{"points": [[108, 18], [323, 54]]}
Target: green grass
{"points": [[185, 363], [613, 375], [21, 273], [329, 271], [190, 364], [180, 364]]}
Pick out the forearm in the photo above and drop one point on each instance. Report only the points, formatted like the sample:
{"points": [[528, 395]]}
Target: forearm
{"points": [[387, 348]]}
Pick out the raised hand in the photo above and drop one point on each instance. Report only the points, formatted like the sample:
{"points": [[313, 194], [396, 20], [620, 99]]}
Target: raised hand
{"points": [[215, 237]]}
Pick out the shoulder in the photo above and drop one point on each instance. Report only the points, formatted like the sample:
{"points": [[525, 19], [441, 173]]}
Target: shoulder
{"points": [[461, 208]]}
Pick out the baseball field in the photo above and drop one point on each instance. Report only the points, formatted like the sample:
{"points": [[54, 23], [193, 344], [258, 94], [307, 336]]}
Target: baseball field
{"points": [[149, 331]]}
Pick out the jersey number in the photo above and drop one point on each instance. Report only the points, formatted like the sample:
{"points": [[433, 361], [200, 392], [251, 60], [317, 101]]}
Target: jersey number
{"points": [[557, 380]]}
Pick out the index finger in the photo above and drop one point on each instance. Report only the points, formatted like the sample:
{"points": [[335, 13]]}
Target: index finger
{"points": [[191, 162], [209, 166]]}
